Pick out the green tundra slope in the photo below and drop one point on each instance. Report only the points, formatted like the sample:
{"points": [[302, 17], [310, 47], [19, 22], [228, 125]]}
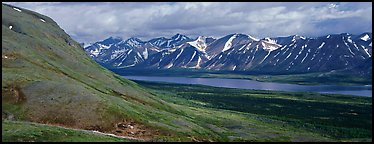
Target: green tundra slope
{"points": [[48, 78]]}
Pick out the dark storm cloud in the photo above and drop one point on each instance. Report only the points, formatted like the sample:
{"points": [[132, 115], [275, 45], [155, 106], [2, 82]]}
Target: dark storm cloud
{"points": [[94, 21]]}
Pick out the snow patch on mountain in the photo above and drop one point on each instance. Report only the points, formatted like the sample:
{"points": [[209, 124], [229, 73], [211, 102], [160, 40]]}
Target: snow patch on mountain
{"points": [[304, 57], [288, 55], [228, 44], [145, 53], [198, 63], [365, 37], [138, 54], [265, 57], [116, 53], [104, 46], [270, 45], [194, 53], [169, 65], [349, 39], [323, 43], [199, 43], [234, 68], [97, 51], [253, 38], [367, 51], [179, 54], [134, 42], [349, 48], [17, 9], [267, 39], [129, 52]]}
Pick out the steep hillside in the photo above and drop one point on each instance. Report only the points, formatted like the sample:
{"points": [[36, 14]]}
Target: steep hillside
{"points": [[48, 78]]}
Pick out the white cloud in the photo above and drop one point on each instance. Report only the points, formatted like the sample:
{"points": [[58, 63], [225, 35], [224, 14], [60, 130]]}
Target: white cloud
{"points": [[89, 22]]}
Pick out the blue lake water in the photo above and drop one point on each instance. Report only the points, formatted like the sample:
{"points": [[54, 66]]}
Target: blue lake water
{"points": [[365, 90]]}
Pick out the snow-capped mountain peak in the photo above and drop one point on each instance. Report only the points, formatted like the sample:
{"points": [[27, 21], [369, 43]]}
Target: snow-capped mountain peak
{"points": [[179, 37], [174, 41], [134, 42], [111, 40], [228, 44]]}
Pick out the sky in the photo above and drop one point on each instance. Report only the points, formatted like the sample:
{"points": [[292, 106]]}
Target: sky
{"points": [[95, 21]]}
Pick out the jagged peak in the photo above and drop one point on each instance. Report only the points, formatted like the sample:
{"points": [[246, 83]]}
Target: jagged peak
{"points": [[112, 39], [179, 36], [116, 38], [134, 39], [244, 35]]}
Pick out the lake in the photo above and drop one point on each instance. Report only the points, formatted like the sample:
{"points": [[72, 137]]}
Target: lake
{"points": [[256, 85]]}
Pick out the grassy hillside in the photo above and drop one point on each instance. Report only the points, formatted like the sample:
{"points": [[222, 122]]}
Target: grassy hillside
{"points": [[48, 78]]}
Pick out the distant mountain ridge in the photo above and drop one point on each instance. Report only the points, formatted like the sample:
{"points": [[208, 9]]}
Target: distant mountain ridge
{"points": [[237, 52]]}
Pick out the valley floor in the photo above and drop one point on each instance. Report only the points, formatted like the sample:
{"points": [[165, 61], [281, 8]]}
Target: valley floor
{"points": [[256, 115], [224, 114]]}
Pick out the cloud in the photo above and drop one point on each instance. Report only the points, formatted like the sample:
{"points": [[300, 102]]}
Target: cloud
{"points": [[94, 21]]}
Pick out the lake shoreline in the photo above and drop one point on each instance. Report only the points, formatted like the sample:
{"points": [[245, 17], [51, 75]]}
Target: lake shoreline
{"points": [[310, 79]]}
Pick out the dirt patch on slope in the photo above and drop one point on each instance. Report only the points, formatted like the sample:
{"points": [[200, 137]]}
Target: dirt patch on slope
{"points": [[13, 95], [133, 129]]}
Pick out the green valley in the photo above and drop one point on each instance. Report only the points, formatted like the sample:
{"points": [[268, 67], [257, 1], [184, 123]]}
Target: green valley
{"points": [[284, 115]]}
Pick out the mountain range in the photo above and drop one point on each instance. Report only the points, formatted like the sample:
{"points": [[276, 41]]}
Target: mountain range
{"points": [[238, 52]]}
